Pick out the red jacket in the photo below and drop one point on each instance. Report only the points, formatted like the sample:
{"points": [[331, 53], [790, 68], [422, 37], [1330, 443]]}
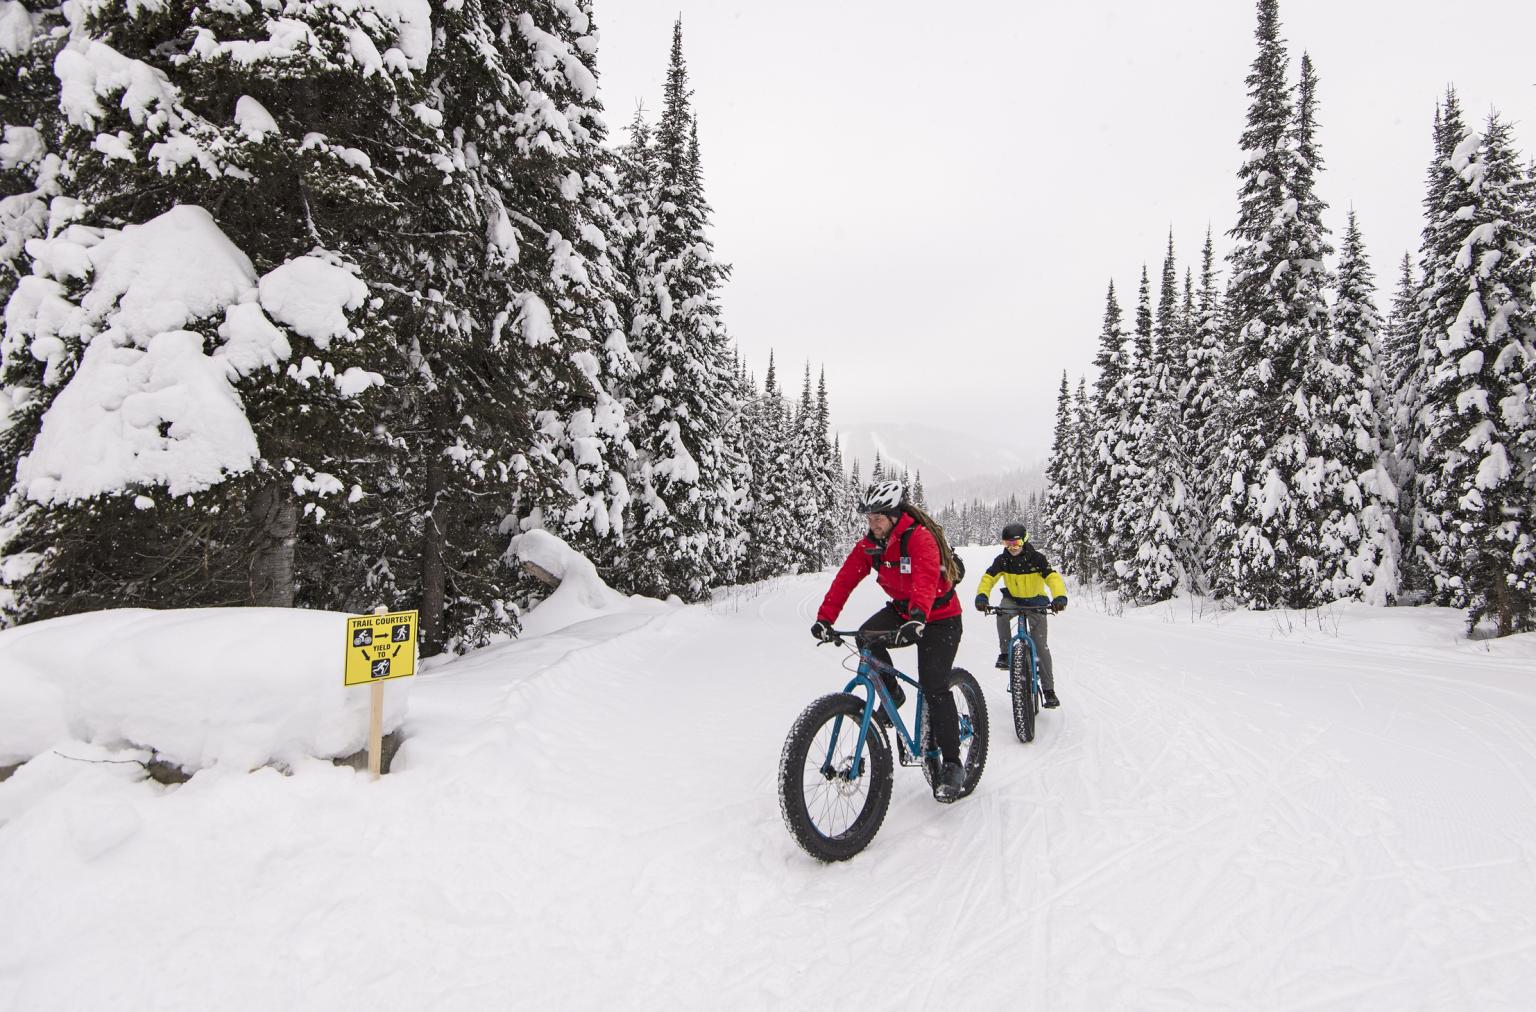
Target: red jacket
{"points": [[920, 587]]}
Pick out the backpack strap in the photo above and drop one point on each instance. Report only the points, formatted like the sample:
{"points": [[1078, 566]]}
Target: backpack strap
{"points": [[906, 562]]}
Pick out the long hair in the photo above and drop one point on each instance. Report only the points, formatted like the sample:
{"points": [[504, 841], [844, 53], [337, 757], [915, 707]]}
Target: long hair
{"points": [[947, 563]]}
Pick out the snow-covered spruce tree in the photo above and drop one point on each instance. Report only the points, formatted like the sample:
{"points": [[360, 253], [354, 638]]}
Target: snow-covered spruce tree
{"points": [[809, 475], [1134, 451], [1103, 477], [1059, 506], [1344, 488], [769, 524], [1168, 329], [841, 521], [1202, 398], [1077, 531], [1476, 501], [504, 413], [834, 498], [1266, 533], [1435, 307], [821, 481], [1159, 566], [1358, 548], [1396, 404], [201, 318], [687, 536], [856, 524], [577, 224], [30, 38]]}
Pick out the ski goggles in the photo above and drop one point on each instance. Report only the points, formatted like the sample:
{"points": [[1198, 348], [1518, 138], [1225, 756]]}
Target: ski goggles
{"points": [[1013, 541]]}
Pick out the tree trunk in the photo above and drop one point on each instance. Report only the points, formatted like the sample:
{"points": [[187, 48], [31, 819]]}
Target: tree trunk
{"points": [[434, 576], [274, 519]]}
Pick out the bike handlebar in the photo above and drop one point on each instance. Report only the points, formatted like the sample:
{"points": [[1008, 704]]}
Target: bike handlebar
{"points": [[873, 638], [1031, 610]]}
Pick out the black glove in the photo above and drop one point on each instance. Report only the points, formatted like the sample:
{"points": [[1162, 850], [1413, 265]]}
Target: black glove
{"points": [[910, 632], [981, 602], [822, 631], [1059, 605]]}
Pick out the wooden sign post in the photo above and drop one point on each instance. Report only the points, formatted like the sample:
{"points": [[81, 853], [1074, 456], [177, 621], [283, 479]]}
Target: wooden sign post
{"points": [[379, 647]]}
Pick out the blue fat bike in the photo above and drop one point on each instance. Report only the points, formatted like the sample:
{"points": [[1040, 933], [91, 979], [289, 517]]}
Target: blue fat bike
{"points": [[835, 770], [1023, 670]]}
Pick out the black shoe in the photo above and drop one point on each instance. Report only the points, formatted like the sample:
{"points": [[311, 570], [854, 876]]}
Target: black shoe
{"points": [[1002, 662], [1051, 702], [898, 694], [951, 781]]}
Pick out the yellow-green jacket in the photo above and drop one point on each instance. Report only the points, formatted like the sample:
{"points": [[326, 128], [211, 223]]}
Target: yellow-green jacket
{"points": [[1026, 577]]}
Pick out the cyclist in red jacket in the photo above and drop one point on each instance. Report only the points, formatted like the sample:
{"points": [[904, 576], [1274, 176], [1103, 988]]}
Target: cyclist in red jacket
{"points": [[923, 610]]}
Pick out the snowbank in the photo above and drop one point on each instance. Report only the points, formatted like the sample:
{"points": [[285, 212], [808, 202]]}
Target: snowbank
{"points": [[582, 593], [239, 686]]}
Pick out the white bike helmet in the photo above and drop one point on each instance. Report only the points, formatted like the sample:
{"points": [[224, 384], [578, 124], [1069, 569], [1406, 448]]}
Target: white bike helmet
{"points": [[883, 497]]}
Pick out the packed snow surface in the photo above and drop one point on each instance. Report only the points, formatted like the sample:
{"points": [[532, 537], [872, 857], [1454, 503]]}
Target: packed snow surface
{"points": [[1323, 810]]}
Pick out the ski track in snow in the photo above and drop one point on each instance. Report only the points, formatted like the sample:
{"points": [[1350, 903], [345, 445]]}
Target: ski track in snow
{"points": [[1223, 814]]}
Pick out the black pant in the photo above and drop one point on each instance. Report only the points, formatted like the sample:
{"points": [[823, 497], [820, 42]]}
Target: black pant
{"points": [[935, 660]]}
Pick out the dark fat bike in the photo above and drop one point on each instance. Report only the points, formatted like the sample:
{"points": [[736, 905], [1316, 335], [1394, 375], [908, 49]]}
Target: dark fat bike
{"points": [[1023, 670], [835, 772]]}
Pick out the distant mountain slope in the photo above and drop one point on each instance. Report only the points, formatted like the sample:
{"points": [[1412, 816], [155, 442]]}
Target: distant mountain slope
{"points": [[954, 465]]}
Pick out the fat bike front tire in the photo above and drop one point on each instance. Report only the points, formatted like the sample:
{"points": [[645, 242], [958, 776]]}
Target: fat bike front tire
{"points": [[831, 814], [1021, 689], [971, 706]]}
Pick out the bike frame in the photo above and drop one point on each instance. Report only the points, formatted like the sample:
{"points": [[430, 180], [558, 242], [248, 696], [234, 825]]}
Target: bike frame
{"points": [[867, 678]]}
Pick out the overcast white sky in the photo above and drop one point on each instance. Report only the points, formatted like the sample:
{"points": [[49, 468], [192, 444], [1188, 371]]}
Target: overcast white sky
{"points": [[931, 199]]}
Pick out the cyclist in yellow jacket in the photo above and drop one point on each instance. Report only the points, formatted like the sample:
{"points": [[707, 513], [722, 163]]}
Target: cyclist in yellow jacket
{"points": [[1029, 581]]}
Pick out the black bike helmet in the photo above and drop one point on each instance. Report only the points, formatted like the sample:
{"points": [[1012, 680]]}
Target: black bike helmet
{"points": [[1015, 531]]}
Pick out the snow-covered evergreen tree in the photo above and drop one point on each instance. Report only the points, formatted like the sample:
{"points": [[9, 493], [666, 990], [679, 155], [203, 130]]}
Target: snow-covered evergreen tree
{"points": [[686, 536], [1266, 532], [1104, 475], [770, 523], [1396, 404], [811, 478], [1136, 456], [1077, 546], [1353, 490], [517, 417], [1056, 515], [1202, 397], [1477, 427], [1157, 528], [219, 240]]}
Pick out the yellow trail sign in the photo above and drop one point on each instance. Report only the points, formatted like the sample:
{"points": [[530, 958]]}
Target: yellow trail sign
{"points": [[380, 647]]}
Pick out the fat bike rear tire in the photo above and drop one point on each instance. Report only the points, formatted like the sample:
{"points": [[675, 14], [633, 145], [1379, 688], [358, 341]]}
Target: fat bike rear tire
{"points": [[831, 815], [971, 705]]}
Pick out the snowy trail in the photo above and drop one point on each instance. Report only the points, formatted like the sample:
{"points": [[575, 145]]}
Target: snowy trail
{"points": [[1226, 812]]}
